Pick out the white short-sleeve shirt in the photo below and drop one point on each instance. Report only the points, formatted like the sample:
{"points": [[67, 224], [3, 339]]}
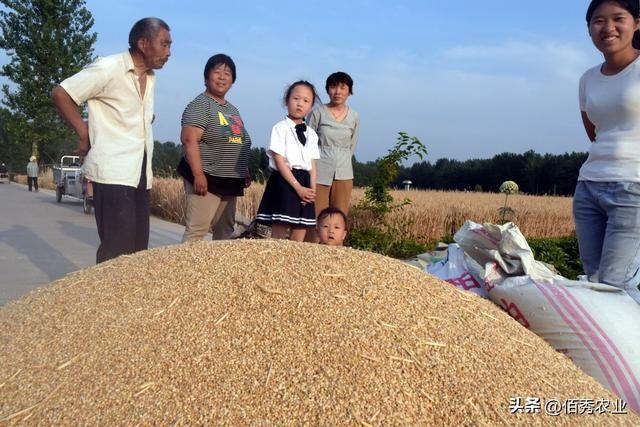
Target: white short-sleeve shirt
{"points": [[284, 141], [119, 119], [612, 103]]}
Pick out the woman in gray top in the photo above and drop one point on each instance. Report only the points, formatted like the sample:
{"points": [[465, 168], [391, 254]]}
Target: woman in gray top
{"points": [[337, 127]]}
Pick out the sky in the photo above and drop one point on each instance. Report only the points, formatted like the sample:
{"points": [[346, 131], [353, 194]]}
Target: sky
{"points": [[469, 78]]}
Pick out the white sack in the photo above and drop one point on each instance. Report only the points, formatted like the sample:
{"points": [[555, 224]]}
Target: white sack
{"points": [[596, 325], [454, 269]]}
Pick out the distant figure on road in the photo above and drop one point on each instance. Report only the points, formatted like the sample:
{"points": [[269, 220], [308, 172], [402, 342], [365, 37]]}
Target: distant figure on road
{"points": [[118, 140], [32, 173], [4, 173]]}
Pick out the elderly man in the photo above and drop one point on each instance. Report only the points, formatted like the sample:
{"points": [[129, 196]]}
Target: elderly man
{"points": [[117, 140], [32, 173]]}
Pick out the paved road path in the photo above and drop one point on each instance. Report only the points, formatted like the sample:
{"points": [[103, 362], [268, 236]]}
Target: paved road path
{"points": [[41, 240]]}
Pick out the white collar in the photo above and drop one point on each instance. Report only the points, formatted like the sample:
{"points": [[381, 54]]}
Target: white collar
{"points": [[291, 123]]}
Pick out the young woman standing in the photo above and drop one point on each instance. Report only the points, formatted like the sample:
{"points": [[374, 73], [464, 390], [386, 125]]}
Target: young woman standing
{"points": [[338, 128], [606, 204]]}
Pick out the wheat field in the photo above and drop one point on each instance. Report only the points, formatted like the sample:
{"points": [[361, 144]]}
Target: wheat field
{"points": [[430, 216]]}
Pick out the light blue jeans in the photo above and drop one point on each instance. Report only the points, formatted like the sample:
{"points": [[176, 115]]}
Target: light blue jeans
{"points": [[607, 216]]}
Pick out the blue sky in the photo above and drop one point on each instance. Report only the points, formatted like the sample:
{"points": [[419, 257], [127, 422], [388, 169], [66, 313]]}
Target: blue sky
{"points": [[469, 78]]}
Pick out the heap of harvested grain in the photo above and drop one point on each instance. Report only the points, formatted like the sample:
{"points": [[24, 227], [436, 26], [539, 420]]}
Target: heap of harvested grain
{"points": [[273, 333]]}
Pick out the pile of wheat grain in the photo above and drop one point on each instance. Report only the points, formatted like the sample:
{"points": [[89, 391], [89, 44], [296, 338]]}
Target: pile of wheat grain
{"points": [[273, 333]]}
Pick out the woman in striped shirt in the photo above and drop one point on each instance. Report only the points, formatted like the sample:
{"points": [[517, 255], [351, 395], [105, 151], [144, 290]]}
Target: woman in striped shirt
{"points": [[216, 147]]}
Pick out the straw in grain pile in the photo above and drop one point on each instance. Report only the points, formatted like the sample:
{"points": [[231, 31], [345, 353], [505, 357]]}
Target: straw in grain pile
{"points": [[266, 332]]}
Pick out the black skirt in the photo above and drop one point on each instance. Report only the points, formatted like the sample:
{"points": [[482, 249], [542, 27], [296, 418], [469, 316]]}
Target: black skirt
{"points": [[218, 185], [281, 204]]}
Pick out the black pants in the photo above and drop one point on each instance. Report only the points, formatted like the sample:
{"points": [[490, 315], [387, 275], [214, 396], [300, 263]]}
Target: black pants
{"points": [[33, 182], [122, 216]]}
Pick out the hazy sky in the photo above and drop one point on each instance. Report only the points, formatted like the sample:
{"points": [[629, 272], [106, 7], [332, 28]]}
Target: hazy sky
{"points": [[469, 78]]}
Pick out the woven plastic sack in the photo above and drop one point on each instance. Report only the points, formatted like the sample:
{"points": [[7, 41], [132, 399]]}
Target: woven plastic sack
{"points": [[596, 325], [454, 269]]}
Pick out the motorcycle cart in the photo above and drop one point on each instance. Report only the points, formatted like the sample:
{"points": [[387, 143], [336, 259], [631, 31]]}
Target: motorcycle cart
{"points": [[69, 181]]}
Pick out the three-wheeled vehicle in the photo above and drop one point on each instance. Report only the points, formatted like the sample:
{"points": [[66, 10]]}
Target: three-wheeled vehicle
{"points": [[69, 181]]}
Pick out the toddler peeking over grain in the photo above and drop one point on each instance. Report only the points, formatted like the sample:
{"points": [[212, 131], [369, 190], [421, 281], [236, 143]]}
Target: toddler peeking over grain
{"points": [[332, 226]]}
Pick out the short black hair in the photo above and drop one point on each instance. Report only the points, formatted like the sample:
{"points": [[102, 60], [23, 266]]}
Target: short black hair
{"points": [[327, 212], [219, 59], [146, 28], [337, 78], [631, 6], [287, 93]]}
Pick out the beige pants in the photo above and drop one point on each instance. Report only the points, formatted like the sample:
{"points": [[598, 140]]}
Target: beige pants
{"points": [[337, 195], [206, 211]]}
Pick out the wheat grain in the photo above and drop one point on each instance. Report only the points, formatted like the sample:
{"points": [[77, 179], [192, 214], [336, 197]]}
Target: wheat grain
{"points": [[301, 358]]}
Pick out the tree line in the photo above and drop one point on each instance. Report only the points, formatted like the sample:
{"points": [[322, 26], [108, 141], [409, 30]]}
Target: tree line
{"points": [[534, 173]]}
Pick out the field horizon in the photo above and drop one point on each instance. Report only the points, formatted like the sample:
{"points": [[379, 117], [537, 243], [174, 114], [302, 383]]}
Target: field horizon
{"points": [[431, 214]]}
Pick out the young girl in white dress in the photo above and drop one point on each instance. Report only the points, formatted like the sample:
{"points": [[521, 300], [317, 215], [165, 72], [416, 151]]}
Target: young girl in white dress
{"points": [[287, 204]]}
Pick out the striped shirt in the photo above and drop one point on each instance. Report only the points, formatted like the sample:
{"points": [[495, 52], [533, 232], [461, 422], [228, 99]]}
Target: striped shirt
{"points": [[225, 143]]}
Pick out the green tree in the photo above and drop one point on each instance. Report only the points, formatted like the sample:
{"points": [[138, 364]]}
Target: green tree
{"points": [[259, 164], [166, 156], [377, 196], [364, 173], [46, 41], [14, 155]]}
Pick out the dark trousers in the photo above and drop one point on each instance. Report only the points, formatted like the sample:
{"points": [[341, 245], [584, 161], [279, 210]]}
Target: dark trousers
{"points": [[33, 182], [122, 217]]}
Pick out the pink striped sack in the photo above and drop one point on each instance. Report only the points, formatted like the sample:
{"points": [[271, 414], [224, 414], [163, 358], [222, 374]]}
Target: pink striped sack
{"points": [[455, 270], [597, 326]]}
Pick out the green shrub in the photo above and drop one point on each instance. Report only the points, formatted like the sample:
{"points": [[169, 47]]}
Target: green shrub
{"points": [[561, 252], [406, 248], [381, 236], [377, 197], [374, 239]]}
